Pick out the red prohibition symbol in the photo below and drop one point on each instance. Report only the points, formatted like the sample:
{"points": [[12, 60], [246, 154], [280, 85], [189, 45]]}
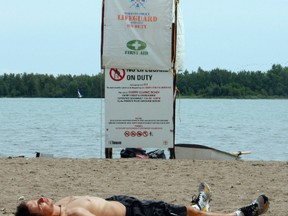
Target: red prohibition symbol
{"points": [[127, 133], [117, 75], [145, 133], [133, 134], [139, 133]]}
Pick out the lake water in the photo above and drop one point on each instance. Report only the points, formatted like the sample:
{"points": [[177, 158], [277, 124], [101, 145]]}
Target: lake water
{"points": [[74, 128]]}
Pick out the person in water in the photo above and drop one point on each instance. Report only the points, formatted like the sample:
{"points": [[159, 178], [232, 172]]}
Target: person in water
{"points": [[129, 206]]}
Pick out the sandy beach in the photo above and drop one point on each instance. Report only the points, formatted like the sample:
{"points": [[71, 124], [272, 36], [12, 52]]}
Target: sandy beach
{"points": [[233, 184]]}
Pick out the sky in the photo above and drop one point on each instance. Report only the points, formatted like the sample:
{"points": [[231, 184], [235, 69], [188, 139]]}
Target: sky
{"points": [[63, 36]]}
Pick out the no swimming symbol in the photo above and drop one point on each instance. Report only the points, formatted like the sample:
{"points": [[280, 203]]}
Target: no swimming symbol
{"points": [[117, 75]]}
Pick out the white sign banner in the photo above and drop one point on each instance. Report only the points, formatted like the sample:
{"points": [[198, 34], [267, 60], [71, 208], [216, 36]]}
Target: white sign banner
{"points": [[138, 108], [137, 34]]}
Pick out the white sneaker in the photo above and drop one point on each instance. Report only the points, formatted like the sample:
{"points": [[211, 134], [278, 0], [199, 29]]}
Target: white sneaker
{"points": [[258, 207], [201, 202]]}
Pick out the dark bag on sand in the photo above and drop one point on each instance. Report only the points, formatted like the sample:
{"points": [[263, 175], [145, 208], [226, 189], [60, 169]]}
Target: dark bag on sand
{"points": [[141, 153], [157, 154], [132, 152]]}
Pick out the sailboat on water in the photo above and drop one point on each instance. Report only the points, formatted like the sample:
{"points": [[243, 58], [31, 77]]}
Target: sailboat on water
{"points": [[79, 94]]}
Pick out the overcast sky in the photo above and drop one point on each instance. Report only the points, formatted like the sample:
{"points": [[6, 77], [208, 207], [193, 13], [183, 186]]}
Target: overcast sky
{"points": [[63, 36]]}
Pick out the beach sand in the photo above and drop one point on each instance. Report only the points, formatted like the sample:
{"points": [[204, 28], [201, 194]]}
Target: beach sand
{"points": [[233, 184]]}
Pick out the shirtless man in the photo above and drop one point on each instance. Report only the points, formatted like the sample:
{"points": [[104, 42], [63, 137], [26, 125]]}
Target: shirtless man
{"points": [[130, 206]]}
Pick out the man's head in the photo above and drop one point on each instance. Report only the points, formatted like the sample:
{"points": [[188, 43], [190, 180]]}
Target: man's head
{"points": [[41, 207]]}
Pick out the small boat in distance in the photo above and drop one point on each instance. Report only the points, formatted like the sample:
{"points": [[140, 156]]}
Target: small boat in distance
{"points": [[79, 94]]}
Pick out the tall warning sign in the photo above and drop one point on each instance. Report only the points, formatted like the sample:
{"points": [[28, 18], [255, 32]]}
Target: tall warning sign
{"points": [[139, 102]]}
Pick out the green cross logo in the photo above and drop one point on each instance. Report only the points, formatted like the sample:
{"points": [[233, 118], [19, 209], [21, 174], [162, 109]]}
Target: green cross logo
{"points": [[136, 45]]}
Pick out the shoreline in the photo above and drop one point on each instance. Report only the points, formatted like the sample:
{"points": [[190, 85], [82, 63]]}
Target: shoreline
{"points": [[233, 183]]}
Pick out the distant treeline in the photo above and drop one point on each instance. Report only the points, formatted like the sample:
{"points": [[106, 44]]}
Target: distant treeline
{"points": [[48, 86], [226, 84], [203, 84]]}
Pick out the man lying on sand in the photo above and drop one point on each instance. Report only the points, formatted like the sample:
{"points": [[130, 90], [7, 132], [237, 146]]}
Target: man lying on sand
{"points": [[130, 206]]}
